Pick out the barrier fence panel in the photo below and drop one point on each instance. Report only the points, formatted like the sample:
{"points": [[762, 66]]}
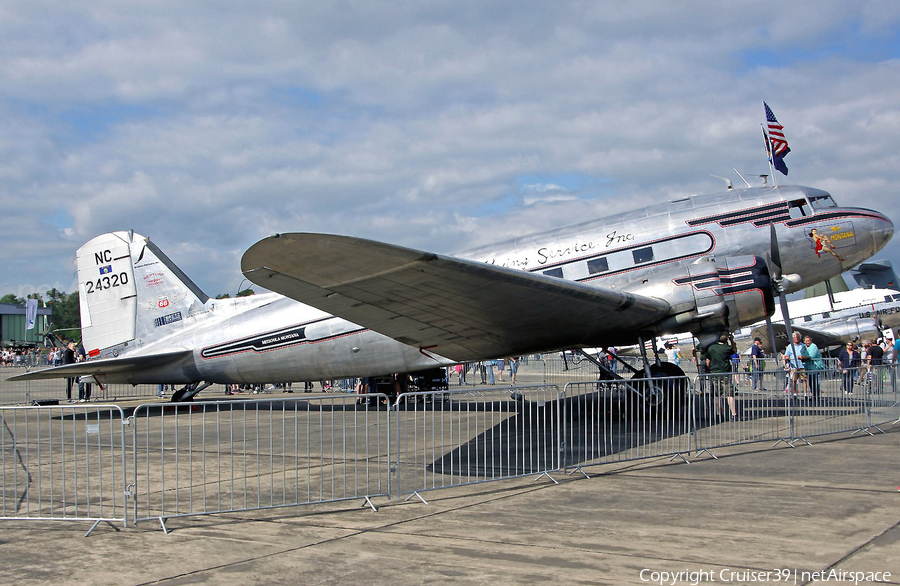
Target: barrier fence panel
{"points": [[880, 386], [213, 457], [785, 405], [459, 437], [63, 462], [614, 420], [76, 462]]}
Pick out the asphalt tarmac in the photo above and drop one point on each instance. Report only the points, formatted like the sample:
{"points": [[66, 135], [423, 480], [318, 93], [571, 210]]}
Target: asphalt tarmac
{"points": [[756, 515]]}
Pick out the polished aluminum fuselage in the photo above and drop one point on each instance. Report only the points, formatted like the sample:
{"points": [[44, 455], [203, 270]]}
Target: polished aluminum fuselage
{"points": [[643, 252], [694, 229]]}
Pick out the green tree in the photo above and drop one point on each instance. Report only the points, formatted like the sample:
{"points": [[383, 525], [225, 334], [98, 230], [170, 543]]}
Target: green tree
{"points": [[12, 299], [65, 311], [246, 293], [39, 297]]}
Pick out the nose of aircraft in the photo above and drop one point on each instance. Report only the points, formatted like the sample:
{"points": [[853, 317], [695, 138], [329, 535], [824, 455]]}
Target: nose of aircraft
{"points": [[881, 229]]}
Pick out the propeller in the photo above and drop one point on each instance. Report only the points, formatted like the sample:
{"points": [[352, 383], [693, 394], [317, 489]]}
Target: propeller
{"points": [[779, 289]]}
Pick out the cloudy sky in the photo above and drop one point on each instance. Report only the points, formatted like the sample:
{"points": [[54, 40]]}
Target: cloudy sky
{"points": [[434, 124]]}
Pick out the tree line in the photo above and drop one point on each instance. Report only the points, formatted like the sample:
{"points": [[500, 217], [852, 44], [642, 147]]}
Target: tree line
{"points": [[65, 313], [63, 306]]}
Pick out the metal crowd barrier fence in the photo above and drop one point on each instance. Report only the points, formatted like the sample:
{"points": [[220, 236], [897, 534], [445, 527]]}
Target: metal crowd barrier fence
{"points": [[469, 436], [615, 420], [226, 456], [76, 462], [63, 463]]}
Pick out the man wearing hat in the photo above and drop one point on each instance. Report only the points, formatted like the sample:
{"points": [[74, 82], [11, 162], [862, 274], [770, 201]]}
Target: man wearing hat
{"points": [[756, 364]]}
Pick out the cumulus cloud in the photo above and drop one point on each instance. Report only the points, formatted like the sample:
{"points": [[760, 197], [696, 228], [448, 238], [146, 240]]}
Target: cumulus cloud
{"points": [[438, 125]]}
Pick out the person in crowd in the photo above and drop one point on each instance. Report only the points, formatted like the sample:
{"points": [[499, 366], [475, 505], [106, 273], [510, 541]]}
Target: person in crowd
{"points": [[718, 360], [362, 389], [84, 389], [513, 367], [874, 360], [672, 353], [794, 355], [757, 365], [848, 362], [814, 366], [68, 357]]}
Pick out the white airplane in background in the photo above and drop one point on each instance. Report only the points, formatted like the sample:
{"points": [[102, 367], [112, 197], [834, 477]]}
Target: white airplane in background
{"points": [[346, 307], [858, 314]]}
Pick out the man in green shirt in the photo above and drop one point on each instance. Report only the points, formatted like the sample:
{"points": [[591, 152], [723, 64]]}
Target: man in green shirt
{"points": [[718, 358]]}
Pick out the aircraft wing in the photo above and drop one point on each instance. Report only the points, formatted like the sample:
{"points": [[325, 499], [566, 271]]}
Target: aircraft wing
{"points": [[457, 308], [108, 366]]}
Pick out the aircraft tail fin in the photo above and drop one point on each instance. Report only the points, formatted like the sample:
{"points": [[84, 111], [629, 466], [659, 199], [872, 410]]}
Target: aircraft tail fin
{"points": [[878, 274], [130, 293]]}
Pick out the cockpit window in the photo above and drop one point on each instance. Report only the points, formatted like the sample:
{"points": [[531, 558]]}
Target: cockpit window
{"points": [[821, 201], [799, 208]]}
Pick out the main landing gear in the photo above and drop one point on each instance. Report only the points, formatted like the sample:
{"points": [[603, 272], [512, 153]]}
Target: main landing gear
{"points": [[657, 390], [188, 392]]}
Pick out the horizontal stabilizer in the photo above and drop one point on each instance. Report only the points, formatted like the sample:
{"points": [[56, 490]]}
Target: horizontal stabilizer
{"points": [[108, 366]]}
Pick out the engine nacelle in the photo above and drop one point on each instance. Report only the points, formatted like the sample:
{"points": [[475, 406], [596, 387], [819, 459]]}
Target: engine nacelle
{"points": [[725, 297], [851, 330]]}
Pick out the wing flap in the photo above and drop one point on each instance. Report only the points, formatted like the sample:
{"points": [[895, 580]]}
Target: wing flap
{"points": [[462, 309]]}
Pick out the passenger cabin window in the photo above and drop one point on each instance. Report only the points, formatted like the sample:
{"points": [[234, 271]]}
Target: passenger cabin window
{"points": [[557, 272], [826, 314], [807, 318], [799, 208], [643, 255], [598, 265]]}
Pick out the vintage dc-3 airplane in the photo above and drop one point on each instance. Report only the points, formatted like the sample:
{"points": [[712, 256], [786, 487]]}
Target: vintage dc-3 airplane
{"points": [[849, 316], [346, 307]]}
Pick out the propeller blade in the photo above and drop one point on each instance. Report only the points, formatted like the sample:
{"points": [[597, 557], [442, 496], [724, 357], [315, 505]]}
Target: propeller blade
{"points": [[774, 252], [782, 299], [771, 341]]}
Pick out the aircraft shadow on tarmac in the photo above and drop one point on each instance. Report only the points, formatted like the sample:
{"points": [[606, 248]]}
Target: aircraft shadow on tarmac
{"points": [[526, 443]]}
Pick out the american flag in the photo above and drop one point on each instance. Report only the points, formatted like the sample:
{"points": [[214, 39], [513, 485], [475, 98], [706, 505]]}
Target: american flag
{"points": [[776, 134]]}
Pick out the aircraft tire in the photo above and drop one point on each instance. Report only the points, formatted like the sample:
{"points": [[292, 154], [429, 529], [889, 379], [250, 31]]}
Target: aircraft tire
{"points": [[667, 396]]}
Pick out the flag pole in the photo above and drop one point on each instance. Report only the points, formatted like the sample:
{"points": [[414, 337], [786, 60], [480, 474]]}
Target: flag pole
{"points": [[768, 144]]}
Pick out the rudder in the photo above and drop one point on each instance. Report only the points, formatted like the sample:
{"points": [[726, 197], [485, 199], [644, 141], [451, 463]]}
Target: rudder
{"points": [[130, 293]]}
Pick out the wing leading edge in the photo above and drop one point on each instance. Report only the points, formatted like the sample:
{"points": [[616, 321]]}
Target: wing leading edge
{"points": [[458, 308]]}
